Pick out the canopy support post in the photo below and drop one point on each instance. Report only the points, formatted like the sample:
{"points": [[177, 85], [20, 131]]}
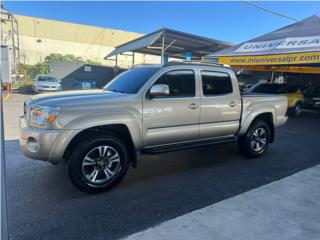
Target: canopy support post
{"points": [[170, 45], [132, 58], [162, 50], [272, 74]]}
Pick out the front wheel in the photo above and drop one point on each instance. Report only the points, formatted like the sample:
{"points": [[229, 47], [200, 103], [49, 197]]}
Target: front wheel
{"points": [[98, 164], [255, 142]]}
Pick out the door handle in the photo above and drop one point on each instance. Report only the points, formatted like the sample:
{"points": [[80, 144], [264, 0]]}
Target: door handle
{"points": [[193, 106], [232, 104]]}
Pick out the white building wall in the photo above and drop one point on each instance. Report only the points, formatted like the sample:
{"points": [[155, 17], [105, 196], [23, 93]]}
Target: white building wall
{"points": [[34, 50]]}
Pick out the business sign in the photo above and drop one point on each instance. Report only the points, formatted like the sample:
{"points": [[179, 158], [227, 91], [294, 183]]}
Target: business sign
{"points": [[284, 43], [276, 59], [188, 56]]}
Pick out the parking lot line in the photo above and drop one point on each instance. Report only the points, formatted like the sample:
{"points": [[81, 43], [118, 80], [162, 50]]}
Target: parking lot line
{"points": [[285, 209], [6, 97]]}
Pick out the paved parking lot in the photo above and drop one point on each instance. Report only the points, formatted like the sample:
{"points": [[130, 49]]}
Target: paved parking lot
{"points": [[44, 205], [13, 108]]}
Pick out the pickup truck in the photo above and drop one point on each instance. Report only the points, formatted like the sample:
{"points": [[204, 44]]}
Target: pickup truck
{"points": [[148, 109]]}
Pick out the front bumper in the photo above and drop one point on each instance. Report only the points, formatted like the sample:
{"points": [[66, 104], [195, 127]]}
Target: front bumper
{"points": [[48, 89], [36, 143]]}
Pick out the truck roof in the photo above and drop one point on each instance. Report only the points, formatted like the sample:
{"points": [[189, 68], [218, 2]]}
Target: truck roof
{"points": [[184, 63]]}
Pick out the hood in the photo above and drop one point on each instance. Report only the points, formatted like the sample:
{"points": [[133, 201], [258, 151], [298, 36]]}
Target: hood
{"points": [[39, 83], [73, 97]]}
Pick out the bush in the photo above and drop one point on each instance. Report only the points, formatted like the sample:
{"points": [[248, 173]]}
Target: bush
{"points": [[67, 58], [30, 71]]}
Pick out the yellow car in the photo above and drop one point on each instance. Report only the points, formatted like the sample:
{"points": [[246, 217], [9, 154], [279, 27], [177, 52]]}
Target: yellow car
{"points": [[295, 96], [295, 101]]}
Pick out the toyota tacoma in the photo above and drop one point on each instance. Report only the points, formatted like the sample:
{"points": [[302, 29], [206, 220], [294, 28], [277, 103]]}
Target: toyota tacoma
{"points": [[149, 109]]}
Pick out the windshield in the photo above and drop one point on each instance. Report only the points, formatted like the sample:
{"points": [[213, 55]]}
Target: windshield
{"points": [[47, 79], [132, 80], [312, 92]]}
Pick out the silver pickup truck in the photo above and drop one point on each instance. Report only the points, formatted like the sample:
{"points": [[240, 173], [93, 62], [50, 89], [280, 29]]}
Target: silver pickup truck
{"points": [[148, 109]]}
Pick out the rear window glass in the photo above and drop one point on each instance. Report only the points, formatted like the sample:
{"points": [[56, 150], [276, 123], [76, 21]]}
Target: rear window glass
{"points": [[271, 88], [46, 79], [215, 83]]}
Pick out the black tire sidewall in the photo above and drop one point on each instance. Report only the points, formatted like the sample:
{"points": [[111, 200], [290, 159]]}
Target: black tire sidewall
{"points": [[75, 163]]}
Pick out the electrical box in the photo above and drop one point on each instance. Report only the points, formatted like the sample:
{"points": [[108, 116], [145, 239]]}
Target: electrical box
{"points": [[5, 64]]}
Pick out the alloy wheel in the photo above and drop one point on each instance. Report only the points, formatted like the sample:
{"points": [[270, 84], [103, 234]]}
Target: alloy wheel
{"points": [[259, 140], [101, 164]]}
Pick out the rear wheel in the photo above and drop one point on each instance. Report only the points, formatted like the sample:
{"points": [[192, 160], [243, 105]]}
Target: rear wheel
{"points": [[98, 164], [297, 110], [255, 142]]}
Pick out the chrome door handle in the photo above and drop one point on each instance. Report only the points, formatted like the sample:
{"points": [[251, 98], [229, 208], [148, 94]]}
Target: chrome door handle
{"points": [[232, 104], [193, 106]]}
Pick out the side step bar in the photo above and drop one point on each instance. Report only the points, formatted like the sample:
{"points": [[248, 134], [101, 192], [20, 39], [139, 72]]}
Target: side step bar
{"points": [[187, 145]]}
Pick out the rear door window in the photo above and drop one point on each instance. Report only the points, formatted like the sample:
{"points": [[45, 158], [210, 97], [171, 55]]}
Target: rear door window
{"points": [[215, 83]]}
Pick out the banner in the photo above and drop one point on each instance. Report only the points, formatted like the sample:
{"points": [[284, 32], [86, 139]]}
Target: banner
{"points": [[300, 43], [279, 59]]}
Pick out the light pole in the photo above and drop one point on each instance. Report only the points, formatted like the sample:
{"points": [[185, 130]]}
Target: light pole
{"points": [[4, 210]]}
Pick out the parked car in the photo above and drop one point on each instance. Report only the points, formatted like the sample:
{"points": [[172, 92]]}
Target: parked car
{"points": [[148, 109], [294, 94], [312, 97], [45, 83]]}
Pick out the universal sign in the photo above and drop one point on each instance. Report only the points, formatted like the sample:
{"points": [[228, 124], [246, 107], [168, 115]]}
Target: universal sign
{"points": [[285, 43]]}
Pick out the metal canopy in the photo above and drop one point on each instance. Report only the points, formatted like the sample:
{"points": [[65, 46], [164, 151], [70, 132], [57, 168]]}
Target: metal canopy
{"points": [[172, 43]]}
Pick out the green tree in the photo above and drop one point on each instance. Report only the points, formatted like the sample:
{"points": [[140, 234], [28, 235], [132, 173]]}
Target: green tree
{"points": [[67, 58]]}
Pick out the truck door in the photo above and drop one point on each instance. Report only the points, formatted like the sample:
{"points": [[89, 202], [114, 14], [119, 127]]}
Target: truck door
{"points": [[173, 118], [220, 104]]}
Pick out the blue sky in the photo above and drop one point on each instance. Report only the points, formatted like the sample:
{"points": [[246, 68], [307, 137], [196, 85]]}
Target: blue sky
{"points": [[229, 21]]}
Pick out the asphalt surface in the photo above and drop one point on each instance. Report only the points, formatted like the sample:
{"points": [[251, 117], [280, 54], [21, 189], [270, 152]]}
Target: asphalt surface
{"points": [[281, 210], [43, 204], [13, 108]]}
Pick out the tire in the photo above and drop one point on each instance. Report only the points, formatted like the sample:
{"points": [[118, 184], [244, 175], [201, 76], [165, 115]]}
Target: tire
{"points": [[248, 143], [98, 163], [297, 110]]}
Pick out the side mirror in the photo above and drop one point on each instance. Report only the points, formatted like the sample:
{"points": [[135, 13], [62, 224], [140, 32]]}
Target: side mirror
{"points": [[158, 90]]}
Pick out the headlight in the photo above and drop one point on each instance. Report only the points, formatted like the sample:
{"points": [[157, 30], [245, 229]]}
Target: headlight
{"points": [[43, 115]]}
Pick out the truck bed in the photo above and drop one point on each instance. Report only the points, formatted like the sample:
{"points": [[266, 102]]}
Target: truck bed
{"points": [[274, 103]]}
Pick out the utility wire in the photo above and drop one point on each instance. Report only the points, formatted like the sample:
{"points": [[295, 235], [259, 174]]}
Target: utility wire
{"points": [[268, 10]]}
